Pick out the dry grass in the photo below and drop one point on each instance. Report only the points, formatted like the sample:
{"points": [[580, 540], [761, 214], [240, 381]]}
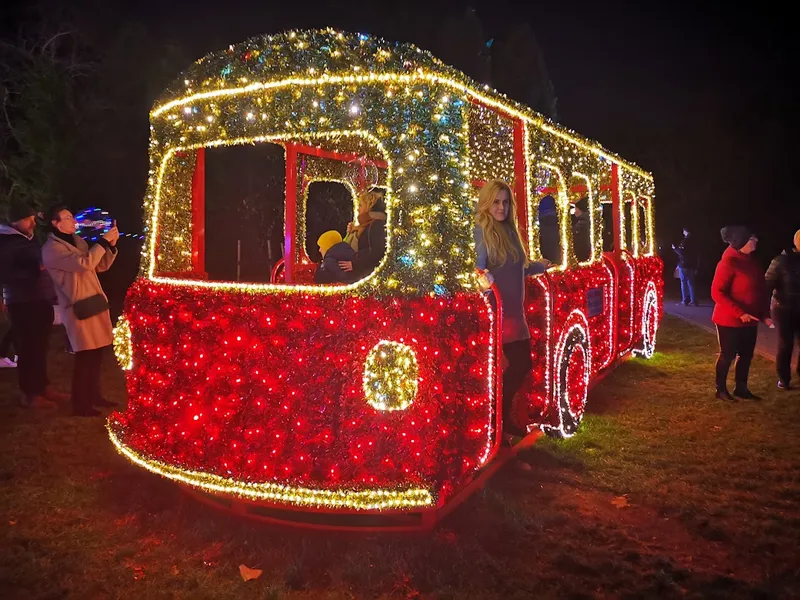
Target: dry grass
{"points": [[712, 493]]}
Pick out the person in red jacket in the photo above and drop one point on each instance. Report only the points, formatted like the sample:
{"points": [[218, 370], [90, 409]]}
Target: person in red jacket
{"points": [[740, 297]]}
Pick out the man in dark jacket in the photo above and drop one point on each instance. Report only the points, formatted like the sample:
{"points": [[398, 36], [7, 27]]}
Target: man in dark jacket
{"points": [[688, 263], [581, 231], [29, 295], [549, 235], [783, 278], [333, 250]]}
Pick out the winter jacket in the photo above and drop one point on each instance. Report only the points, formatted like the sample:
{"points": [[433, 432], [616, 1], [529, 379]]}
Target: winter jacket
{"points": [[371, 246], [74, 271], [783, 277], [581, 237], [688, 257], [23, 278], [329, 271], [738, 288], [550, 238]]}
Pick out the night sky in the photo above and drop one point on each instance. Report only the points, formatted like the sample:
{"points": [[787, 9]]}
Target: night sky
{"points": [[703, 97]]}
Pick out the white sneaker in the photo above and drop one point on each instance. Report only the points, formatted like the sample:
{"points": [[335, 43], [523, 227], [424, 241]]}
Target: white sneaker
{"points": [[7, 363]]}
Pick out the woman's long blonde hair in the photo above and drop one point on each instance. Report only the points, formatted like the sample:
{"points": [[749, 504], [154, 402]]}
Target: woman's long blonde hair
{"points": [[498, 235]]}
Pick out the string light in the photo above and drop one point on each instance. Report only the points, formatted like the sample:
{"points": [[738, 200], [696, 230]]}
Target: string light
{"points": [[376, 499], [390, 376], [571, 391], [610, 309], [264, 64], [123, 348], [261, 388], [650, 320], [253, 389]]}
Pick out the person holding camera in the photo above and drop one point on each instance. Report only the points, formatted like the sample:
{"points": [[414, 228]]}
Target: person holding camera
{"points": [[73, 265]]}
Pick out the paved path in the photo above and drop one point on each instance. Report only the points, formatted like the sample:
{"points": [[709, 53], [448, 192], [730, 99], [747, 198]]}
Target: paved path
{"points": [[767, 343]]}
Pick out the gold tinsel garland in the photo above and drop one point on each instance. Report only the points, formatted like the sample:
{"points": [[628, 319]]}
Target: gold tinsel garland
{"points": [[393, 102]]}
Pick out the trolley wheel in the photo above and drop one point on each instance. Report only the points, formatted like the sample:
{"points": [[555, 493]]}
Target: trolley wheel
{"points": [[573, 364]]}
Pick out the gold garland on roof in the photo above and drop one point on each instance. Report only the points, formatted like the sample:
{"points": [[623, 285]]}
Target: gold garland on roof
{"points": [[308, 57], [321, 87]]}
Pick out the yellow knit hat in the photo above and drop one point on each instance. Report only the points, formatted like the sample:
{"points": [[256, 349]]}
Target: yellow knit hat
{"points": [[797, 239], [328, 239]]}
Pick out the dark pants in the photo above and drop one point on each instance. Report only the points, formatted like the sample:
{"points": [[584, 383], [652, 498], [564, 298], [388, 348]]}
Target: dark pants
{"points": [[31, 323], [788, 332], [733, 342], [86, 378], [688, 277], [520, 364], [6, 343]]}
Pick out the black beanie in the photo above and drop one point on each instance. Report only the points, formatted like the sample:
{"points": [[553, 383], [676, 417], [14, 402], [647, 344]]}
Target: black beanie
{"points": [[735, 235], [582, 204], [19, 210]]}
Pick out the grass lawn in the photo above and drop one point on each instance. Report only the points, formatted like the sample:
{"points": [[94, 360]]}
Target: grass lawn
{"points": [[664, 492]]}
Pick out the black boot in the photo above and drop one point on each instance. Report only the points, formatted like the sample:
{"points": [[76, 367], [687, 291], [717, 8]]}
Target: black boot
{"points": [[745, 394], [724, 394]]}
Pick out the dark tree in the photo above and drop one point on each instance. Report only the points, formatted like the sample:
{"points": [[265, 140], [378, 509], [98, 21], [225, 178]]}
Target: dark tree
{"points": [[42, 110], [462, 44], [519, 70]]}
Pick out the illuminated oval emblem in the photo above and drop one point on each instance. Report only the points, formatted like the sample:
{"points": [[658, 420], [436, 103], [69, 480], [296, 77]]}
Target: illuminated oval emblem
{"points": [[390, 376], [122, 344]]}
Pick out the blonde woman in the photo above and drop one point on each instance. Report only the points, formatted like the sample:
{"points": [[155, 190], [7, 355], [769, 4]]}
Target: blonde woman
{"points": [[502, 261], [368, 236]]}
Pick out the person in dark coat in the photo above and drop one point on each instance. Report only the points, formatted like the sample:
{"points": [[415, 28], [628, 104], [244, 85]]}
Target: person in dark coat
{"points": [[333, 250], [783, 279], [368, 235], [740, 294], [688, 263], [581, 231], [29, 294], [549, 238]]}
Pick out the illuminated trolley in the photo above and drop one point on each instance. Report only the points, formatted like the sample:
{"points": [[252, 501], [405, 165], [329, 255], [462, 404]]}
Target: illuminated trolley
{"points": [[373, 404]]}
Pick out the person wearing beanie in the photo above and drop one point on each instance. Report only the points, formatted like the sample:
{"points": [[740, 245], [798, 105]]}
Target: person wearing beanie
{"points": [[333, 250], [740, 297], [74, 265], [29, 296], [581, 230], [783, 280], [549, 238]]}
